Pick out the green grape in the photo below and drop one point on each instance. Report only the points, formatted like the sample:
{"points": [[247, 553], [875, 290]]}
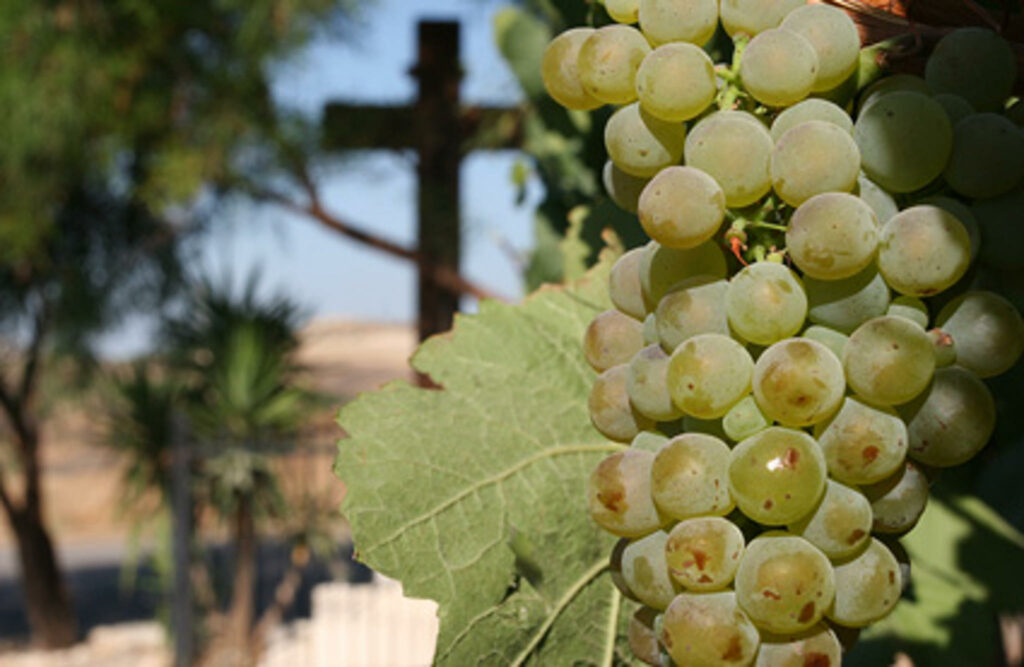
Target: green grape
{"points": [[1002, 244], [645, 570], [784, 583], [956, 107], [833, 235], [611, 339], [708, 630], [708, 374], [817, 647], [888, 360], [974, 63], [909, 308], [688, 477], [835, 39], [880, 201], [905, 139], [619, 494], [647, 386], [867, 587], [777, 475], [961, 212], [663, 268], [744, 420], [798, 382], [987, 158], [840, 524], [681, 207], [650, 441], [615, 568], [923, 250], [642, 636], [812, 158], [610, 409], [862, 444], [893, 84], [692, 21], [676, 81], [608, 61], [952, 420], [755, 16], [988, 332], [735, 149], [845, 304], [624, 284], [695, 306], [560, 74], [703, 553], [943, 346], [779, 67], [830, 338], [811, 109], [640, 144], [651, 330], [623, 189], [898, 501], [766, 303], [622, 11]]}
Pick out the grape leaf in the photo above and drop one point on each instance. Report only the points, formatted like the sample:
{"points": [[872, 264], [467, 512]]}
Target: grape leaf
{"points": [[473, 495]]}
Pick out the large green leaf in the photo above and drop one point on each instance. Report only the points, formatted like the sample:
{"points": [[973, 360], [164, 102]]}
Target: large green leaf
{"points": [[473, 495]]}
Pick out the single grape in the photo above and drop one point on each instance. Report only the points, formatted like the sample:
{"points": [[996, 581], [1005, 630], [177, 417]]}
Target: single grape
{"points": [[611, 339], [755, 16], [708, 374], [880, 201], [640, 144], [744, 420], [695, 306], [845, 304], [610, 409], [961, 212], [798, 382], [623, 189], [784, 583], [1002, 243], [867, 587], [898, 501], [647, 386], [777, 475], [608, 61], [812, 108], [974, 63], [888, 360], [766, 303], [812, 158], [735, 149], [688, 477], [909, 308], [708, 630], [619, 494], [987, 158], [830, 338], [645, 570], [703, 553], [817, 647], [624, 284], [681, 207], [650, 441], [952, 420], [835, 39], [560, 74], [651, 330], [661, 268], [779, 67], [862, 444], [943, 346], [832, 235], [615, 569], [642, 636], [956, 107], [841, 523], [905, 139], [692, 21], [623, 11], [923, 250], [987, 330], [676, 81]]}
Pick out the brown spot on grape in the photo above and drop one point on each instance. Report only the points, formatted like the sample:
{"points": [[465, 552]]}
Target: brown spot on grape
{"points": [[817, 660], [716, 483], [771, 595], [807, 613], [666, 640], [690, 386], [789, 497], [870, 453], [612, 500], [701, 558], [855, 536], [791, 458], [705, 579], [734, 651], [892, 577], [768, 504]]}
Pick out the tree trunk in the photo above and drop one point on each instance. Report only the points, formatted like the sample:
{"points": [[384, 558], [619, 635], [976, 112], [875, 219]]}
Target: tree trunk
{"points": [[51, 617], [243, 589]]}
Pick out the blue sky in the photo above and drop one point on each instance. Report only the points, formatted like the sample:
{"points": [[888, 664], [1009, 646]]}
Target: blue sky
{"points": [[331, 275]]}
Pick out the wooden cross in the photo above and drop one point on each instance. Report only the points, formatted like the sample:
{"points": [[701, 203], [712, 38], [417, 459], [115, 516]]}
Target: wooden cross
{"points": [[442, 133]]}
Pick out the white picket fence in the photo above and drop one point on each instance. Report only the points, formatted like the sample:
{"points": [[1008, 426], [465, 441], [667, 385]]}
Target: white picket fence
{"points": [[358, 625]]}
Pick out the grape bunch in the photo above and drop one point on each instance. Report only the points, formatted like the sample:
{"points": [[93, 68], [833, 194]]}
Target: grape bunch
{"points": [[803, 343]]}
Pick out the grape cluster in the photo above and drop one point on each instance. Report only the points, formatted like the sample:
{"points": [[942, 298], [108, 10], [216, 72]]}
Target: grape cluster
{"points": [[786, 358]]}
